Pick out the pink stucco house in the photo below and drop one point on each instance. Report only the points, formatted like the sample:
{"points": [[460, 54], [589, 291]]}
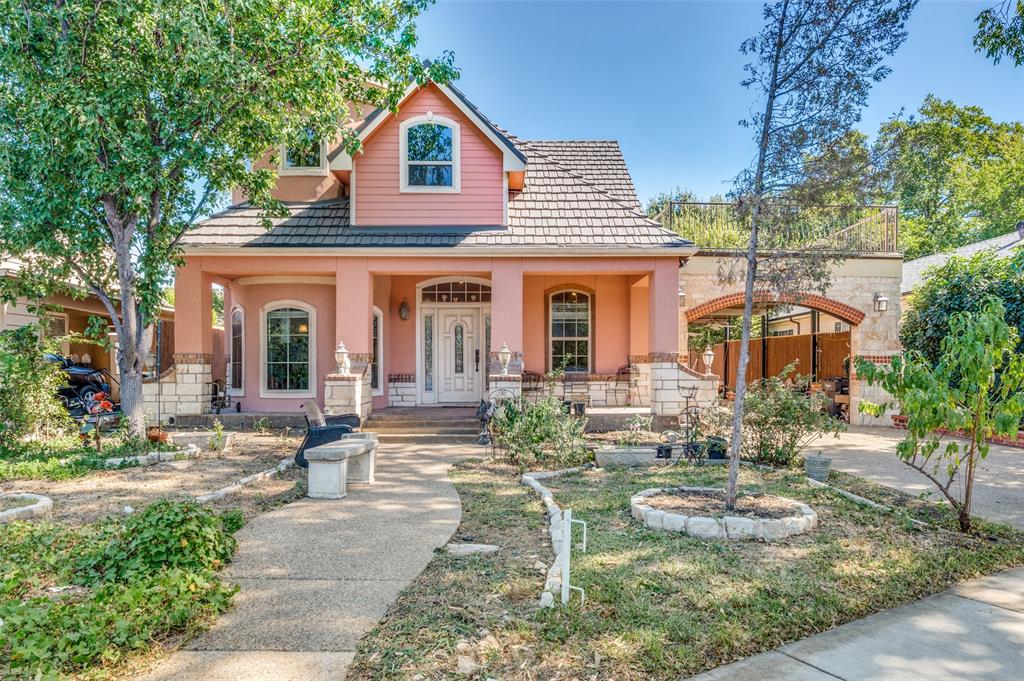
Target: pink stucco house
{"points": [[443, 240]]}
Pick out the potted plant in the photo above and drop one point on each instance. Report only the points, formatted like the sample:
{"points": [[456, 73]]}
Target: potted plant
{"points": [[816, 466], [715, 447]]}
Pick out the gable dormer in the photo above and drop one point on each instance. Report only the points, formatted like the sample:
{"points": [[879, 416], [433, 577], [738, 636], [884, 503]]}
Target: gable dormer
{"points": [[435, 162]]}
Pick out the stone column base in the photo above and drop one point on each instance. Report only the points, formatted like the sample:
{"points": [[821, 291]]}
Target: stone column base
{"points": [[669, 380], [505, 386], [348, 394], [193, 374]]}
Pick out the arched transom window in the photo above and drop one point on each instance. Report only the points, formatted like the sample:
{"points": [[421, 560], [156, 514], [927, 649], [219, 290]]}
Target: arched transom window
{"points": [[571, 335], [430, 154], [457, 292]]}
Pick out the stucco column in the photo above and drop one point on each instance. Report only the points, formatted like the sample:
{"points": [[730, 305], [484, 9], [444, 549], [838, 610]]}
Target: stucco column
{"points": [[663, 340], [507, 313], [350, 393], [193, 339]]}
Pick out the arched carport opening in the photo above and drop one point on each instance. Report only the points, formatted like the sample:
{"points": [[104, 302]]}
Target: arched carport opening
{"points": [[813, 330]]}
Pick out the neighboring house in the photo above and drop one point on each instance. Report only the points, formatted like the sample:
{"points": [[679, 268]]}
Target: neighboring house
{"points": [[401, 273], [1000, 247], [71, 316]]}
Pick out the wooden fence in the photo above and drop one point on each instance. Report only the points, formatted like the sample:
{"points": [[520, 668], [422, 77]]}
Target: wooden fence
{"points": [[776, 353]]}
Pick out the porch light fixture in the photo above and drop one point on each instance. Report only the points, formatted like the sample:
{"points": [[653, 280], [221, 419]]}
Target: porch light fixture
{"points": [[682, 296], [341, 357], [709, 359], [881, 303], [504, 357], [403, 309]]}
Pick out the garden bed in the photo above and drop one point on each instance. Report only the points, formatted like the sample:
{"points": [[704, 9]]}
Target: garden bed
{"points": [[659, 605], [107, 492]]}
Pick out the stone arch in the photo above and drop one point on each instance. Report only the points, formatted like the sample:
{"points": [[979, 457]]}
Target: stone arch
{"points": [[809, 300]]}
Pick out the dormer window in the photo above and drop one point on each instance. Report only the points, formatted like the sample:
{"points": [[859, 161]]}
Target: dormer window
{"points": [[307, 156], [429, 155]]}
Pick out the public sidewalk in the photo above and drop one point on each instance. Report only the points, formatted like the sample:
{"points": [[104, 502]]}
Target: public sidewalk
{"points": [[971, 632], [316, 575]]}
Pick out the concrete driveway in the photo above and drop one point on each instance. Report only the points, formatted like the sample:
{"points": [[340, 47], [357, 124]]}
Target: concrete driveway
{"points": [[871, 453]]}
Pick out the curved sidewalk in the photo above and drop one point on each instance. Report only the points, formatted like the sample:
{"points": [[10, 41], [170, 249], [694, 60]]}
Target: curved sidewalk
{"points": [[316, 575]]}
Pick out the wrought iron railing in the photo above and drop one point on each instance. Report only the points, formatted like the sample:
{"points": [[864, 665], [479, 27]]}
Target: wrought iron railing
{"points": [[853, 229]]}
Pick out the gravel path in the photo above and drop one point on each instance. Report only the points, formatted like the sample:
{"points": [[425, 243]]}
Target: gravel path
{"points": [[316, 575], [871, 453]]}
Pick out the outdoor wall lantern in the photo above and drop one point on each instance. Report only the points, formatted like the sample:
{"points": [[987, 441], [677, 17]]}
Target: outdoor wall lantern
{"points": [[504, 357], [341, 357], [682, 296], [403, 309], [709, 358], [881, 303]]}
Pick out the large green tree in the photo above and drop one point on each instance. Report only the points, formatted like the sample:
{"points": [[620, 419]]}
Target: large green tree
{"points": [[962, 285], [1001, 31], [121, 122], [957, 174]]}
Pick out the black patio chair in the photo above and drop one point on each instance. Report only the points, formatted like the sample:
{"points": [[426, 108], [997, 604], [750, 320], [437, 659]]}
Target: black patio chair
{"points": [[532, 385], [322, 430]]}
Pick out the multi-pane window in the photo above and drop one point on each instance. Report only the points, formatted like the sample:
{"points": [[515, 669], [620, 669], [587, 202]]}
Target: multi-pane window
{"points": [[236, 349], [457, 292], [288, 349], [570, 331], [430, 157], [305, 152], [375, 377]]}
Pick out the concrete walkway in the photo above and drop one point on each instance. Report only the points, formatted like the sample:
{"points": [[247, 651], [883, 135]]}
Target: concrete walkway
{"points": [[971, 632], [871, 453], [316, 575]]}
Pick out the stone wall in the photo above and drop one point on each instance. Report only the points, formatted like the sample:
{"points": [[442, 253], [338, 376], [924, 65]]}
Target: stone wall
{"points": [[855, 282], [670, 383], [348, 394], [401, 390]]}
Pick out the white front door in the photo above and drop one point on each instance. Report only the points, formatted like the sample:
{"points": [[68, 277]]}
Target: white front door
{"points": [[460, 358]]}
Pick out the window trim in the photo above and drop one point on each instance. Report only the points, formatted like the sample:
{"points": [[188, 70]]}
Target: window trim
{"points": [[403, 155], [236, 392], [313, 376], [591, 313], [379, 349], [283, 168]]}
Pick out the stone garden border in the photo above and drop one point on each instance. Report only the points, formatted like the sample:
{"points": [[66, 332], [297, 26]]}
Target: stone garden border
{"points": [[43, 506], [726, 527], [284, 465], [153, 458], [553, 582]]}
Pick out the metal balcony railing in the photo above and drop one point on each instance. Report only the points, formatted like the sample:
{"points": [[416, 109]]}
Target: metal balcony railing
{"points": [[849, 229]]}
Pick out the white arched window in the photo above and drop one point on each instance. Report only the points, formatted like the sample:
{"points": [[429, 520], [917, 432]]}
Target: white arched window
{"points": [[236, 366], [429, 154], [377, 359], [571, 333], [287, 349]]}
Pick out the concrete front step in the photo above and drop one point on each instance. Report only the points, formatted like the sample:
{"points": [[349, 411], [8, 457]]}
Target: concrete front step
{"points": [[442, 430], [426, 439], [431, 414]]}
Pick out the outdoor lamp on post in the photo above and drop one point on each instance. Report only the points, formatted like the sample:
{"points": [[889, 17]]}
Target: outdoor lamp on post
{"points": [[504, 357], [881, 303], [341, 357], [709, 358]]}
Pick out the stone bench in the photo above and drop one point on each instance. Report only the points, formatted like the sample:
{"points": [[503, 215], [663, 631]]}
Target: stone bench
{"points": [[334, 466]]}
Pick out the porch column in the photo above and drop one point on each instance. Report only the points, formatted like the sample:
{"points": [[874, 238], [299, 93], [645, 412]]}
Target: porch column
{"points": [[193, 342], [506, 324], [663, 342], [350, 392]]}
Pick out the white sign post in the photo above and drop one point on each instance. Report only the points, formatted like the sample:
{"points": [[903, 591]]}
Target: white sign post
{"points": [[567, 522]]}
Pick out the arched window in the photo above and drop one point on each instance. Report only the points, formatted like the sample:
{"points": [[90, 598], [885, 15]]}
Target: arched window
{"points": [[429, 154], [376, 370], [570, 333], [235, 365], [288, 350]]}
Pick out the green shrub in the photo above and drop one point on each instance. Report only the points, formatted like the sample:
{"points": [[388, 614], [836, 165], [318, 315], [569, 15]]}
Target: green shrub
{"points": [[635, 429], [540, 433], [66, 456], [780, 419], [67, 607], [171, 534], [29, 404]]}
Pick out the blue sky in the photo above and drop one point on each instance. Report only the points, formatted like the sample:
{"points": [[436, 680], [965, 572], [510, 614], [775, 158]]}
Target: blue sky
{"points": [[663, 77]]}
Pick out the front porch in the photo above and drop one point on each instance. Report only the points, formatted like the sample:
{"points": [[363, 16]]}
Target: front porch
{"points": [[363, 333]]}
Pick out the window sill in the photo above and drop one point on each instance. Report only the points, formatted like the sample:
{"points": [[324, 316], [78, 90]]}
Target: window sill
{"points": [[303, 171], [428, 190], [288, 394]]}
